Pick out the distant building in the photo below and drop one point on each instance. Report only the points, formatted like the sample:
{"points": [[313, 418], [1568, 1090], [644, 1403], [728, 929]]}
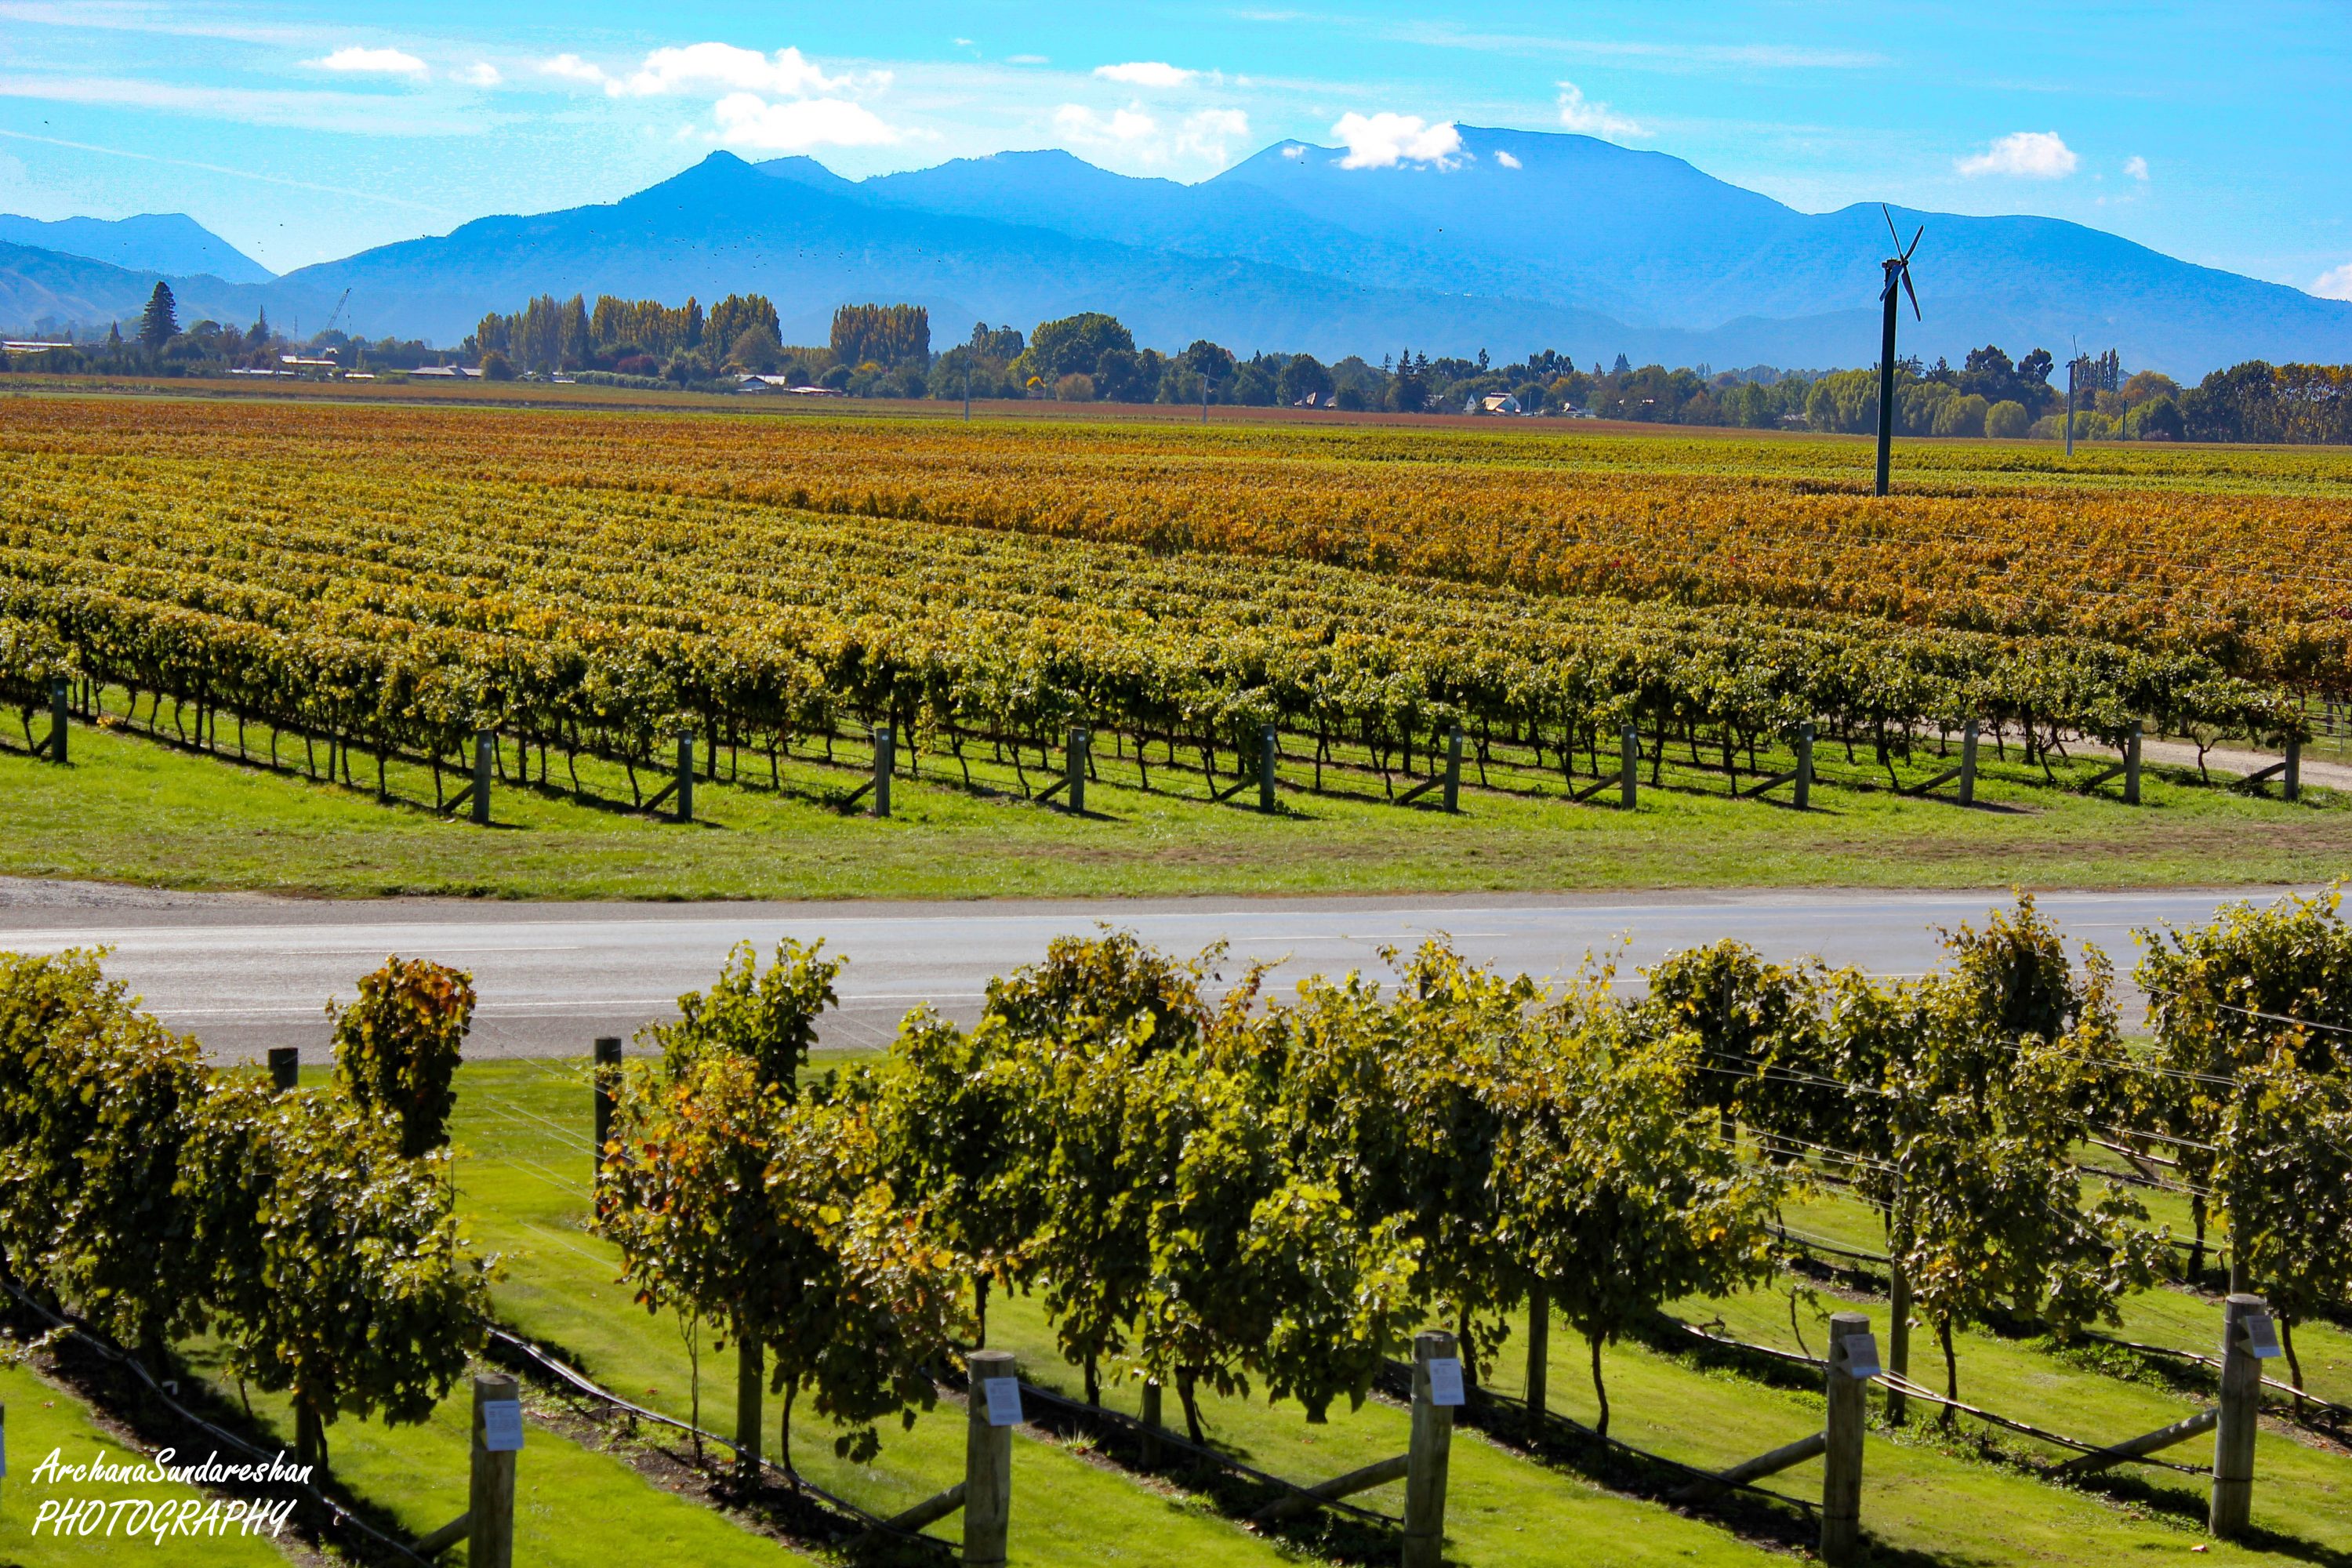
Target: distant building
{"points": [[446, 372], [1498, 403]]}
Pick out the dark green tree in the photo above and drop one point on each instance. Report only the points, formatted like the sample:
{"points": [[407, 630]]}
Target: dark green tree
{"points": [[160, 323], [1076, 344]]}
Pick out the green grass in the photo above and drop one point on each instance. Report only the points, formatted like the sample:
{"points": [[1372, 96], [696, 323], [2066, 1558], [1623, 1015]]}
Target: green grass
{"points": [[42, 1418], [1929, 1497], [131, 809], [572, 1504]]}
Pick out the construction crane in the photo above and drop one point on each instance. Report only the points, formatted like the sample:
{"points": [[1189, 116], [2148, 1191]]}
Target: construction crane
{"points": [[337, 315]]}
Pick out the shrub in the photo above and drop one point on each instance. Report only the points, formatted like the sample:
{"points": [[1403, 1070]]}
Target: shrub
{"points": [[1963, 416], [2006, 421], [396, 1048]]}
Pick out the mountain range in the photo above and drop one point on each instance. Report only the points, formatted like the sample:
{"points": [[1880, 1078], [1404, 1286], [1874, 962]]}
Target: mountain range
{"points": [[1521, 240]]}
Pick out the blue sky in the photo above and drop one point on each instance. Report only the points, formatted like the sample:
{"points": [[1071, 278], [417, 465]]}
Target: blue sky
{"points": [[302, 132]]}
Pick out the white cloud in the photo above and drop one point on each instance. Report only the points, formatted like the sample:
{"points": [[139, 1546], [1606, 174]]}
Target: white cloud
{"points": [[702, 66], [1384, 140], [1579, 114], [1146, 73], [2137, 167], [1027, 60], [481, 73], [361, 61], [1505, 160], [2025, 154], [572, 67], [1296, 150], [2335, 283], [747, 119], [1129, 125], [1209, 132]]}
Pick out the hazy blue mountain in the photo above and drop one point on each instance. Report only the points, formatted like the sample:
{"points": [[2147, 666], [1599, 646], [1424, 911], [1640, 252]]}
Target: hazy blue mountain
{"points": [[1526, 240], [1648, 240], [47, 291], [1679, 257], [811, 241], [169, 243]]}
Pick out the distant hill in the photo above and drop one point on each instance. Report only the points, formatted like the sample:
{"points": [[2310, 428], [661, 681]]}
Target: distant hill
{"points": [[1525, 240], [1652, 242], [45, 291], [169, 243], [811, 241]]}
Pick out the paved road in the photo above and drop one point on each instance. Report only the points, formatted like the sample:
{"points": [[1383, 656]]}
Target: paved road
{"points": [[245, 972]]}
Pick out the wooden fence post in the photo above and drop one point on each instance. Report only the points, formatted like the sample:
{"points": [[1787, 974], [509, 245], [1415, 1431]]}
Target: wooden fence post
{"points": [[686, 778], [751, 1378], [885, 741], [1454, 768], [2242, 1316], [483, 741], [1804, 780], [1268, 748], [1075, 770], [606, 1069], [1969, 762], [57, 722], [1150, 1423], [1898, 1335], [1630, 767], [285, 1068], [1538, 1350], [498, 1436], [1854, 1361], [1436, 1391], [2290, 781], [993, 1408], [2131, 765]]}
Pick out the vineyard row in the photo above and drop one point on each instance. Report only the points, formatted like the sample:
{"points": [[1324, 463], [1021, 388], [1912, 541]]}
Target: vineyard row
{"points": [[608, 632], [2227, 556]]}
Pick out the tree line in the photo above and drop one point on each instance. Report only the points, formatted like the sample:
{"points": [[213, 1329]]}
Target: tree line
{"points": [[877, 349]]}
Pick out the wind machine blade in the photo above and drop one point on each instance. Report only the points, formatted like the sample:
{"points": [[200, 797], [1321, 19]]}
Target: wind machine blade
{"points": [[1913, 293]]}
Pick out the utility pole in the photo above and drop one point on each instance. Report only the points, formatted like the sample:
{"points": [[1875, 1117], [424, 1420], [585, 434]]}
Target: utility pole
{"points": [[2070, 399], [1887, 378]]}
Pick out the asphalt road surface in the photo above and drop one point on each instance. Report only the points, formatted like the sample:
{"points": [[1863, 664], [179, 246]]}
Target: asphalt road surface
{"points": [[244, 973]]}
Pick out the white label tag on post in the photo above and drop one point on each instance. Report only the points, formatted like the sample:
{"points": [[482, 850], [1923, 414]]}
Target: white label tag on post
{"points": [[1860, 1355], [501, 1426], [2261, 1336], [1444, 1380], [1003, 1396]]}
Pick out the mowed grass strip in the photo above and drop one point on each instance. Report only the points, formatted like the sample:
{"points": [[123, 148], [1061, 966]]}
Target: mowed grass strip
{"points": [[44, 1419], [573, 1504], [132, 808]]}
